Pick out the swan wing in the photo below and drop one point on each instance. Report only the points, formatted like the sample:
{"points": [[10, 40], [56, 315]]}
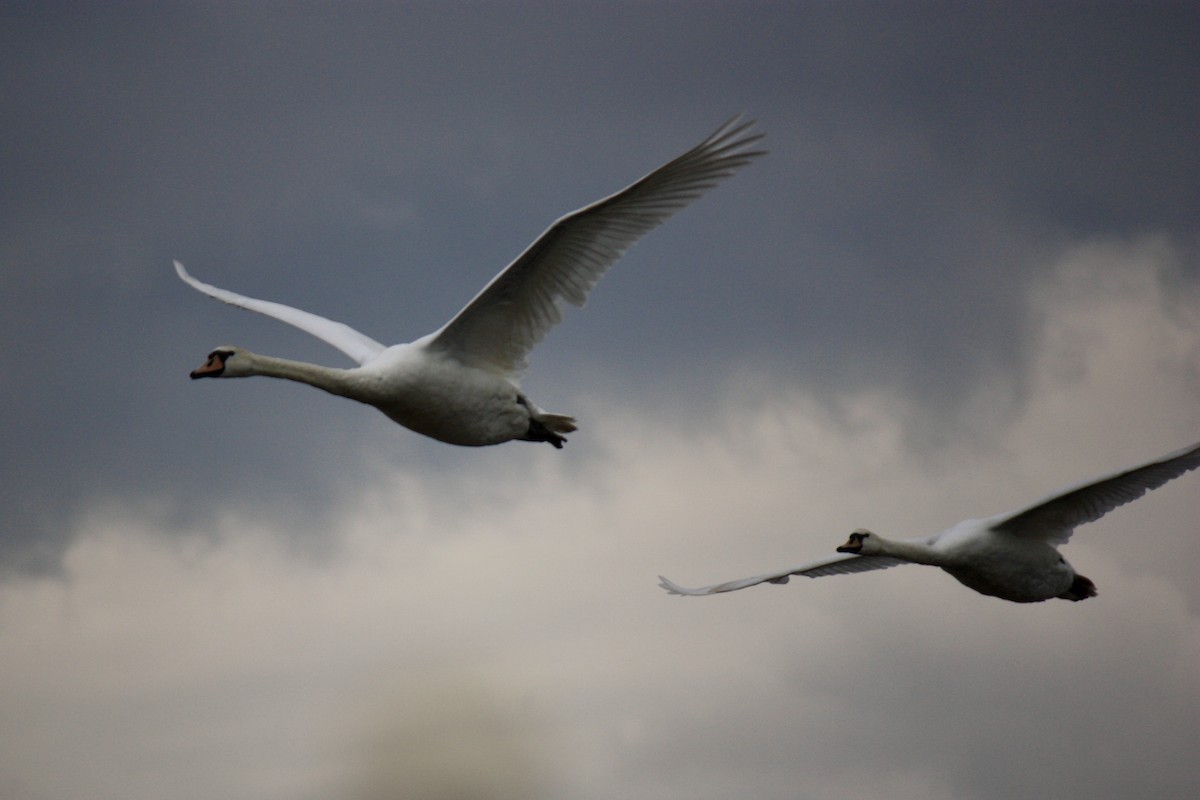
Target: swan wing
{"points": [[358, 346], [499, 327], [1055, 518], [840, 564]]}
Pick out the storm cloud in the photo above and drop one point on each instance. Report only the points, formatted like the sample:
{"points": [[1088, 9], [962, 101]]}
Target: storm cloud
{"points": [[966, 274]]}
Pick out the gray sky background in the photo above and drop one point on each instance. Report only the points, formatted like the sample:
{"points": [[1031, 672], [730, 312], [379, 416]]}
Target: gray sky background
{"points": [[967, 274]]}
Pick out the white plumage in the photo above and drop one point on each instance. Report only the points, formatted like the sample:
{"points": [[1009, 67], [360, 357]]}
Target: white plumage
{"points": [[459, 384], [1011, 556]]}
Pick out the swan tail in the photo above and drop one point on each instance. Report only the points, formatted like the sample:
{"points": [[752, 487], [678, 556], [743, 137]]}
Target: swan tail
{"points": [[558, 423], [544, 427]]}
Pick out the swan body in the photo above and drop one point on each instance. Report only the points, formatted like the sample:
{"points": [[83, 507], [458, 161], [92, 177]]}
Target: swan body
{"points": [[460, 384], [1011, 556]]}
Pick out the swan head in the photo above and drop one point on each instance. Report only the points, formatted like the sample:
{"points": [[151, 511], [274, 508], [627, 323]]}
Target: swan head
{"points": [[224, 362], [861, 542]]}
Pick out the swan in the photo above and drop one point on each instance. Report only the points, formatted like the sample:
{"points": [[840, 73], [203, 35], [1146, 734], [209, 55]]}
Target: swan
{"points": [[1011, 556], [460, 384]]}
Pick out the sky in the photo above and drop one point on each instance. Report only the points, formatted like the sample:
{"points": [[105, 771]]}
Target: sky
{"points": [[966, 275]]}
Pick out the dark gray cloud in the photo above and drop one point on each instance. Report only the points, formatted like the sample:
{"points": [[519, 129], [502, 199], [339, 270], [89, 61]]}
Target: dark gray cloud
{"points": [[378, 164]]}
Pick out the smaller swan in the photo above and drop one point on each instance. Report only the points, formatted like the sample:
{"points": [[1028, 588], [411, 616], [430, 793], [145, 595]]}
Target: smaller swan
{"points": [[460, 384], [1011, 556]]}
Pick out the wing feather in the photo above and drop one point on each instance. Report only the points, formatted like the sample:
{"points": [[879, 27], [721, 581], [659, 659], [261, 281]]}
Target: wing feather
{"points": [[840, 564], [1055, 518], [499, 327], [358, 346]]}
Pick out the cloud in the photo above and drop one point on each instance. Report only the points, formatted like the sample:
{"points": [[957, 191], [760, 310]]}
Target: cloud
{"points": [[378, 164], [442, 737], [498, 633]]}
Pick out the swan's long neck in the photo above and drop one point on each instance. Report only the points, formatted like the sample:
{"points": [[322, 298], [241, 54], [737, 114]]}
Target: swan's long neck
{"points": [[917, 552], [330, 379]]}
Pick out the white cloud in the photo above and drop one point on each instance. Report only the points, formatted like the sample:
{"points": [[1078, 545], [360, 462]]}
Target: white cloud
{"points": [[501, 635]]}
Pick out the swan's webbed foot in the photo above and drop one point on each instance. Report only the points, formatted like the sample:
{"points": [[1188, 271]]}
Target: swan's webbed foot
{"points": [[1081, 589], [546, 427], [538, 432]]}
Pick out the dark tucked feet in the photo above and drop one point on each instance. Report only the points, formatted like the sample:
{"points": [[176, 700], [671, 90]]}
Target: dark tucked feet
{"points": [[1081, 589], [540, 433]]}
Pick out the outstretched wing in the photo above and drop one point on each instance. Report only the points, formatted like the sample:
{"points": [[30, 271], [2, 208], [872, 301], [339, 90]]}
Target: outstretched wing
{"points": [[840, 564], [358, 346], [514, 311], [1055, 518]]}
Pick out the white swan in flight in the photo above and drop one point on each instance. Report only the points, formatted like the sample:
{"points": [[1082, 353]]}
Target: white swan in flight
{"points": [[460, 384], [1010, 556]]}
